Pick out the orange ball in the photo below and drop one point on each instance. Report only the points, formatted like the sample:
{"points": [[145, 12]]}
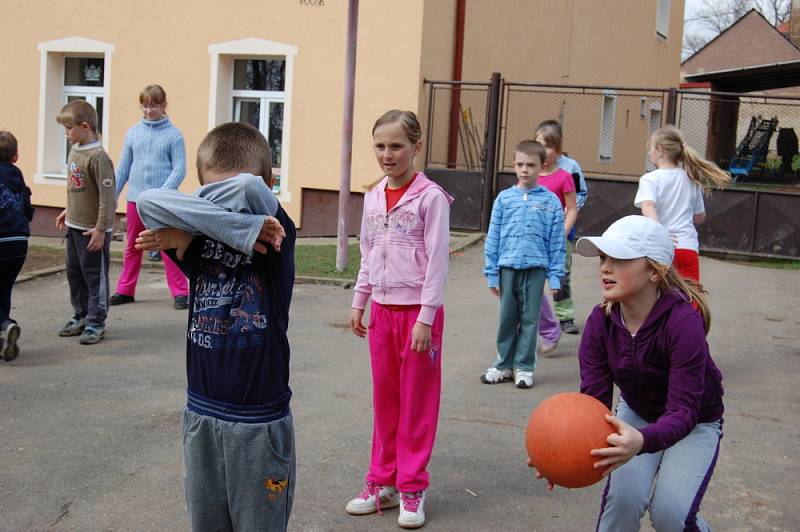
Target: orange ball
{"points": [[562, 431]]}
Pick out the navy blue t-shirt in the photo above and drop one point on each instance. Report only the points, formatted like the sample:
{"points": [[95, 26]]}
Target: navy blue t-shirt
{"points": [[237, 349]]}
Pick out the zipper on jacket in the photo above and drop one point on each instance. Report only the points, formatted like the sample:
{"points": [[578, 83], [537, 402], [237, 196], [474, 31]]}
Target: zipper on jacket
{"points": [[383, 250]]}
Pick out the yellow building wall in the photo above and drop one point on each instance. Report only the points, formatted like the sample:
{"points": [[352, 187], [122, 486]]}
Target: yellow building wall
{"points": [[572, 41], [167, 43], [577, 42], [437, 52], [400, 44]]}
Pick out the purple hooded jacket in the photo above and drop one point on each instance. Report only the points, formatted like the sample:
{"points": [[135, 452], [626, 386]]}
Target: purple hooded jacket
{"points": [[665, 373]]}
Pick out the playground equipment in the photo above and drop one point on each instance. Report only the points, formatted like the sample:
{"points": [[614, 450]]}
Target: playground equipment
{"points": [[752, 150]]}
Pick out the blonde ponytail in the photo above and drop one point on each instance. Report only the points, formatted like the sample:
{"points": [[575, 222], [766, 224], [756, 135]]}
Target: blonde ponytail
{"points": [[704, 173], [670, 280], [373, 184]]}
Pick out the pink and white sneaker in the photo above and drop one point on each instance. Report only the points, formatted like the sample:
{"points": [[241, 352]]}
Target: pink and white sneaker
{"points": [[373, 499], [412, 509]]}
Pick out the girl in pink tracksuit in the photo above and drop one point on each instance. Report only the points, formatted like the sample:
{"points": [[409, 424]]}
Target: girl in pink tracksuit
{"points": [[405, 233]]}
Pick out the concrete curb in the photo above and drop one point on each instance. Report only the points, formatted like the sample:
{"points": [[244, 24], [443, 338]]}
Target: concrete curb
{"points": [[308, 279], [471, 240], [460, 246], [44, 272]]}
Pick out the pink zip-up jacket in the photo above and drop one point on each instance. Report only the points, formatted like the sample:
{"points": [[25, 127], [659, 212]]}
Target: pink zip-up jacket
{"points": [[404, 253]]}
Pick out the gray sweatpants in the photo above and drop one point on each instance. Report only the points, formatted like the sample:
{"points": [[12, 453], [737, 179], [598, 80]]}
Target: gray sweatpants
{"points": [[671, 483], [87, 275], [238, 476]]}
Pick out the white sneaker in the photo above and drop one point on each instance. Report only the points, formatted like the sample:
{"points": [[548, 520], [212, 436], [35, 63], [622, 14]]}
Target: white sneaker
{"points": [[547, 347], [524, 379], [494, 375], [412, 509], [373, 499]]}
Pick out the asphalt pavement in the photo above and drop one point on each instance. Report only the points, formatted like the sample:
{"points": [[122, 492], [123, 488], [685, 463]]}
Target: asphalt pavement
{"points": [[91, 440]]}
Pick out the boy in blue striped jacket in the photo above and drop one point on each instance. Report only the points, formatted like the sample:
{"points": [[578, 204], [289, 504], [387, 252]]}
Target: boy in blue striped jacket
{"points": [[524, 247]]}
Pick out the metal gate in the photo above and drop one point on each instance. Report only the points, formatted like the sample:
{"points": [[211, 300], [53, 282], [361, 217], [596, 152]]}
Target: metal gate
{"points": [[458, 134], [472, 128]]}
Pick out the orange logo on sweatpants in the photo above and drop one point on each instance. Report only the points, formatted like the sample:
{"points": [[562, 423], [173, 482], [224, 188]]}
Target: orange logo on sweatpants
{"points": [[275, 488]]}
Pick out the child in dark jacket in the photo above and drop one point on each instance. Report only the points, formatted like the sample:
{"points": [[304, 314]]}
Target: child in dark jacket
{"points": [[648, 339], [16, 213]]}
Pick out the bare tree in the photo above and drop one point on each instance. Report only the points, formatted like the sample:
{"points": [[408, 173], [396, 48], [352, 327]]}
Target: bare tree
{"points": [[776, 11], [692, 42], [718, 15]]}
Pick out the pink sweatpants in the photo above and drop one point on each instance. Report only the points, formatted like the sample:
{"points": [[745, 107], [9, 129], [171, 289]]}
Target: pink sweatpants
{"points": [[406, 387], [132, 261]]}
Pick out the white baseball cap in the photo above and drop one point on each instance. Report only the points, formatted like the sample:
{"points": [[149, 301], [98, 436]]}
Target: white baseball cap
{"points": [[631, 237]]}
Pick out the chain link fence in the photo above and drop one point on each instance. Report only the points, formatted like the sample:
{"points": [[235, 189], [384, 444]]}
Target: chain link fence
{"points": [[457, 117], [754, 137], [605, 129]]}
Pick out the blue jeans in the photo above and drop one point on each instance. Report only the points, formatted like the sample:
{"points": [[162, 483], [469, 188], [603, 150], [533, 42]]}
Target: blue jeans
{"points": [[671, 483]]}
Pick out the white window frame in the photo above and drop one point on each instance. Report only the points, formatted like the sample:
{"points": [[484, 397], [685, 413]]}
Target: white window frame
{"points": [[608, 112], [221, 106], [90, 94], [50, 156], [663, 12]]}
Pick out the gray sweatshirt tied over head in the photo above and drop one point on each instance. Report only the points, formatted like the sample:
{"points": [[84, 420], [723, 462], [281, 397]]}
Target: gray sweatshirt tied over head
{"points": [[230, 211]]}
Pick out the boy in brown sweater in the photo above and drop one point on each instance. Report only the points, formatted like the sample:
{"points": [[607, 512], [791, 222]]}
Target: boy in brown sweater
{"points": [[88, 220]]}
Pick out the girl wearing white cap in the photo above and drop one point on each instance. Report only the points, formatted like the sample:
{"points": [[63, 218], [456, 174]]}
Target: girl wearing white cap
{"points": [[648, 339], [673, 194]]}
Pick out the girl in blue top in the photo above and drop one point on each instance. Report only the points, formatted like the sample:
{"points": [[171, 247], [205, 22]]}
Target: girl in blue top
{"points": [[153, 156]]}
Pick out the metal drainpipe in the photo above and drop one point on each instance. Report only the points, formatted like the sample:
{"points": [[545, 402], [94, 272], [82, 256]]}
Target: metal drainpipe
{"points": [[455, 101], [347, 136]]}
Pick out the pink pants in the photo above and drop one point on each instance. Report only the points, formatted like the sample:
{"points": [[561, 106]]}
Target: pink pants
{"points": [[132, 261], [406, 387]]}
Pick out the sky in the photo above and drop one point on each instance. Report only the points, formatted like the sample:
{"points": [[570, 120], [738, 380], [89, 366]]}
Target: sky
{"points": [[690, 8]]}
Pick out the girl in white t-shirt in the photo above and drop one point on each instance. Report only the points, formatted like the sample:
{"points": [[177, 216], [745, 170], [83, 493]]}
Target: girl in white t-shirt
{"points": [[673, 194]]}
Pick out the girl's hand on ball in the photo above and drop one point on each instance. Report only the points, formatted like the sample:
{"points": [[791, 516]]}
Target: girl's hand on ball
{"points": [[625, 444], [550, 485]]}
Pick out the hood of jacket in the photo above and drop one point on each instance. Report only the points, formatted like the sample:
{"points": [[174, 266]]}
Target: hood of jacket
{"points": [[662, 308], [419, 186]]}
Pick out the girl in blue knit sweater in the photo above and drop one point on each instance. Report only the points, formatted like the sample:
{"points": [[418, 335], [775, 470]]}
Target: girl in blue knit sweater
{"points": [[153, 156]]}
